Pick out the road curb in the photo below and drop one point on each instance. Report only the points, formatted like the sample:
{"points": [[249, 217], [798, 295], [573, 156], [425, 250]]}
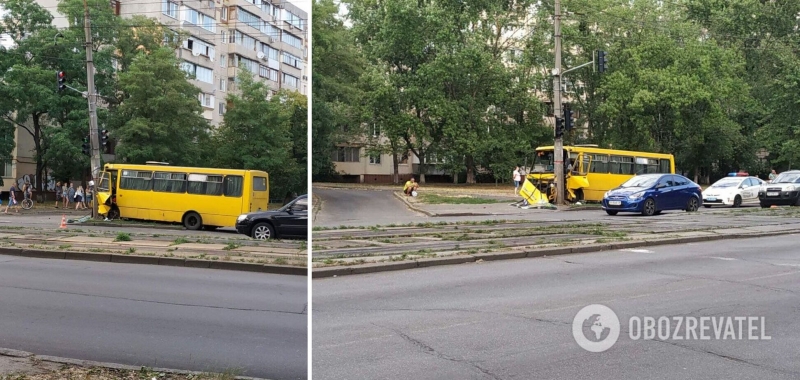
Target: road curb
{"points": [[155, 260], [409, 205], [89, 363], [541, 252]]}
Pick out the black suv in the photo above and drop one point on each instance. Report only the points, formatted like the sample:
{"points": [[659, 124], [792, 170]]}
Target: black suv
{"points": [[289, 220]]}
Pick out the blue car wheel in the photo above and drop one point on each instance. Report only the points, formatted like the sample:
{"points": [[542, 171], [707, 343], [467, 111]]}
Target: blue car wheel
{"points": [[649, 207]]}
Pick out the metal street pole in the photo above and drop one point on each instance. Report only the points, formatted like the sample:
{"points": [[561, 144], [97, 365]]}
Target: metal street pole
{"points": [[558, 151], [92, 96]]}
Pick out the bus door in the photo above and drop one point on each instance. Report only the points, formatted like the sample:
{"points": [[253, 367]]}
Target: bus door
{"points": [[259, 194]]}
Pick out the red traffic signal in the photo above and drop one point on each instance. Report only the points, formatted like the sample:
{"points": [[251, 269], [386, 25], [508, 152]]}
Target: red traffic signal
{"points": [[62, 78]]}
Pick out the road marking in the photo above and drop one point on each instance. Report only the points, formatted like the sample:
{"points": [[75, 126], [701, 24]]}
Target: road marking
{"points": [[636, 250], [723, 258], [789, 265]]}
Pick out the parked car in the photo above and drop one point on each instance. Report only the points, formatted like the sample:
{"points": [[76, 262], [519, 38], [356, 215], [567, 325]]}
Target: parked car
{"points": [[783, 190], [732, 191], [289, 220], [650, 194]]}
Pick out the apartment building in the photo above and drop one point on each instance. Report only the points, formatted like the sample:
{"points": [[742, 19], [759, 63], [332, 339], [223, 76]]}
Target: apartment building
{"points": [[267, 38]]}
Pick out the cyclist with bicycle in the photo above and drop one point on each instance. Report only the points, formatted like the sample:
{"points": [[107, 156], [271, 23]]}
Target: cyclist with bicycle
{"points": [[27, 193]]}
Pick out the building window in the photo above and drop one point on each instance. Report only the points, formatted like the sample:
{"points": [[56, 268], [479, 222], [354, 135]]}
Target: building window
{"points": [[404, 159], [293, 19], [221, 108], [200, 19], [5, 169], [292, 40], [266, 7], [346, 154], [223, 60], [292, 60], [245, 40], [375, 159], [203, 74], [199, 47], [248, 64], [206, 100], [269, 51], [170, 9], [270, 30], [291, 81], [223, 13], [223, 84], [249, 18], [224, 36], [376, 130]]}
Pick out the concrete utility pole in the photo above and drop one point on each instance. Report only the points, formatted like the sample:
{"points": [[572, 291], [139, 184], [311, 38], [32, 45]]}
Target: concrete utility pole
{"points": [[91, 94], [558, 152]]}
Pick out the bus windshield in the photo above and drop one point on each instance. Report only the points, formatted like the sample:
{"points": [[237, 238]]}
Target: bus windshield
{"points": [[543, 162]]}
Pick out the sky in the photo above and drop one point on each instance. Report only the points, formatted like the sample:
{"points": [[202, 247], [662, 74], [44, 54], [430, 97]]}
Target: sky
{"points": [[303, 4]]}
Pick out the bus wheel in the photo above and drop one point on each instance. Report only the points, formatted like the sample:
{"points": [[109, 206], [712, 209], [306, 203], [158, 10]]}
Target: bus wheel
{"points": [[263, 231], [192, 221]]}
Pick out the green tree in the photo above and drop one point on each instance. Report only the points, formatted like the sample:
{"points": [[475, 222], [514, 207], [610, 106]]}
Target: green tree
{"points": [[336, 68], [160, 117], [257, 134]]}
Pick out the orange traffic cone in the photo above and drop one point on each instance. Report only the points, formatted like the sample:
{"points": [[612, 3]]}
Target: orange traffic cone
{"points": [[63, 221]]}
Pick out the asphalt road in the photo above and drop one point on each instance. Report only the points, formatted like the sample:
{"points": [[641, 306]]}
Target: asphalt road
{"points": [[513, 319], [144, 315], [354, 207], [361, 207]]}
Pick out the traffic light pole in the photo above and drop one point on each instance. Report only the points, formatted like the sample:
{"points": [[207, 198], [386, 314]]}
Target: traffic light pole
{"points": [[558, 151], [92, 96]]}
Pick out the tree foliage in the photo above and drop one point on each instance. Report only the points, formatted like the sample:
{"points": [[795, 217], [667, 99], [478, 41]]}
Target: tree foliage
{"points": [[710, 81], [258, 134]]}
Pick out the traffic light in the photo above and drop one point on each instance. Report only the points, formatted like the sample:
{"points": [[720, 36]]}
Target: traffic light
{"points": [[61, 78], [104, 140], [602, 62], [568, 122], [87, 150], [559, 127]]}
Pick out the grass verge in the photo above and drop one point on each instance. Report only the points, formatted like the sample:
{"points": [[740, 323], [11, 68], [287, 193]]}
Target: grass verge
{"points": [[444, 199]]}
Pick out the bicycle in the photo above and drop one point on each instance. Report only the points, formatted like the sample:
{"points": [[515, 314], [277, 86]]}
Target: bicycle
{"points": [[27, 203]]}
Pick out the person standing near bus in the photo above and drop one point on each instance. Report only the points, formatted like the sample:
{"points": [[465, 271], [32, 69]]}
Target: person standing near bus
{"points": [[64, 193], [70, 195], [58, 193], [517, 178]]}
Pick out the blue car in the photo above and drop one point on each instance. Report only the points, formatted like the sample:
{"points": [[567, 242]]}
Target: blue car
{"points": [[650, 194]]}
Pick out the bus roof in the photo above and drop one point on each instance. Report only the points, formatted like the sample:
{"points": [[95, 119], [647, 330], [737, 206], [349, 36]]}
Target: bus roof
{"points": [[586, 149], [187, 169]]}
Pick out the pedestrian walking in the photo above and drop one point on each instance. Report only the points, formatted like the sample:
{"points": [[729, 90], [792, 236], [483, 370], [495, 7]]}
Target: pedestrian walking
{"points": [[79, 198], [517, 178], [12, 199], [58, 193]]}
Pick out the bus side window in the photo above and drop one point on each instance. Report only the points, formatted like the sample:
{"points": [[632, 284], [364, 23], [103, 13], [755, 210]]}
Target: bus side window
{"points": [[259, 184], [664, 166], [233, 186], [599, 164]]}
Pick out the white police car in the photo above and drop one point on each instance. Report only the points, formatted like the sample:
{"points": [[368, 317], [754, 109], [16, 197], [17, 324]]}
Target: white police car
{"points": [[732, 191]]}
